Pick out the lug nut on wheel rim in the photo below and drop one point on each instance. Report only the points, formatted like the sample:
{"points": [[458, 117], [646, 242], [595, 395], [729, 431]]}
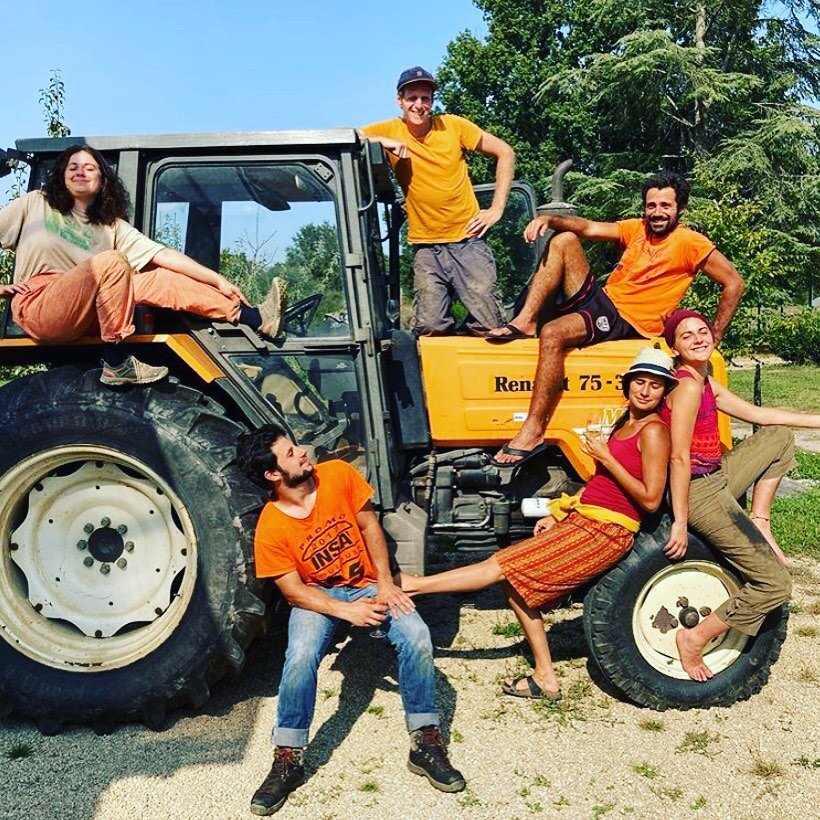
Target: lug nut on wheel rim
{"points": [[122, 529], [122, 563], [129, 546], [89, 528], [105, 568], [105, 522], [88, 561], [81, 545]]}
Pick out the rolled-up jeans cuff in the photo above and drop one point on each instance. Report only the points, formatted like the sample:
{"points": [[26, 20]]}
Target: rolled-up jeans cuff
{"points": [[293, 738], [420, 719]]}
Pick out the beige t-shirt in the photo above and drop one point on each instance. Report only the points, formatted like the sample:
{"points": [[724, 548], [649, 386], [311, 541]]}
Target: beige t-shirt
{"points": [[46, 240]]}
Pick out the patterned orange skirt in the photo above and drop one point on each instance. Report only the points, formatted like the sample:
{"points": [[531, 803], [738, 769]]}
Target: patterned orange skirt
{"points": [[549, 566]]}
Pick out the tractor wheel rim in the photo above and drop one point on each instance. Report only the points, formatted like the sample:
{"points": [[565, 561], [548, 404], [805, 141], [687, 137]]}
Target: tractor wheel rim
{"points": [[701, 586], [100, 558]]}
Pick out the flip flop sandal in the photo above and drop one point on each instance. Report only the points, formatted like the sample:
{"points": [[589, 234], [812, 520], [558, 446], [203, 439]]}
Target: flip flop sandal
{"points": [[533, 691], [514, 334], [523, 455]]}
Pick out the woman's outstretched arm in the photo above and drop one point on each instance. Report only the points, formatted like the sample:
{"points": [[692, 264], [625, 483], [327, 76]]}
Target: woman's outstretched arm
{"points": [[739, 408], [178, 262]]}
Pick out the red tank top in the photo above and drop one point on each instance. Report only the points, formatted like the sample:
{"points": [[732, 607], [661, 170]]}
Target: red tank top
{"points": [[604, 491], [706, 452]]}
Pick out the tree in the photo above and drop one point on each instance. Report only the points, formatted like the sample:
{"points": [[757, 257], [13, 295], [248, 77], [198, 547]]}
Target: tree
{"points": [[718, 91]]}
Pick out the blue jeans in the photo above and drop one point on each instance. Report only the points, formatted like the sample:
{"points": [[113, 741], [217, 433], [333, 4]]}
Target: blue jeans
{"points": [[309, 635]]}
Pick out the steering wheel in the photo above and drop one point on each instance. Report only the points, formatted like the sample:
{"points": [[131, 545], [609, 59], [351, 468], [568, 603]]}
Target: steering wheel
{"points": [[300, 315]]}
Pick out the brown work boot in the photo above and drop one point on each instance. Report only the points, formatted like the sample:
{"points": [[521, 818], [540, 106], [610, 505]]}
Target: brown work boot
{"points": [[428, 758], [285, 776]]}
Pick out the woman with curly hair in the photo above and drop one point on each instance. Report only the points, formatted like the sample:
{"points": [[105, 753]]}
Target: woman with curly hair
{"points": [[81, 268]]}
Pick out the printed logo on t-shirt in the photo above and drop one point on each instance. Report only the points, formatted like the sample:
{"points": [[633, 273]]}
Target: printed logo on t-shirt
{"points": [[82, 236], [333, 553], [602, 323]]}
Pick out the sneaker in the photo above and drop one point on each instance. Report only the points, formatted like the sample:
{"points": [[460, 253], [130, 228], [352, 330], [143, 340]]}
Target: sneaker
{"points": [[285, 776], [429, 759], [272, 308], [131, 371]]}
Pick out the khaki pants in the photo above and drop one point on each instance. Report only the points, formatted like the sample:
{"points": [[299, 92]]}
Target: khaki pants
{"points": [[100, 294], [715, 514]]}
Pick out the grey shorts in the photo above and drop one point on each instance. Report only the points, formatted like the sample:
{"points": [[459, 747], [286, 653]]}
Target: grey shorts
{"points": [[465, 270]]}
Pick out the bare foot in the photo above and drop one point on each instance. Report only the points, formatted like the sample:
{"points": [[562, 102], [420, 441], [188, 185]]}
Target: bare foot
{"points": [[690, 656], [765, 527]]}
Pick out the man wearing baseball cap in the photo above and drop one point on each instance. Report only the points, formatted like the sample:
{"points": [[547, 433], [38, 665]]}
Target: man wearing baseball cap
{"points": [[444, 222]]}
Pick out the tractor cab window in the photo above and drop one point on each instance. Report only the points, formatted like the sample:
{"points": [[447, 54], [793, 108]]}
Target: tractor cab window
{"points": [[253, 221]]}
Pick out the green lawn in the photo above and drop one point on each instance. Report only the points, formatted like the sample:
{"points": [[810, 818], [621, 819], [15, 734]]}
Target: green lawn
{"points": [[791, 386]]}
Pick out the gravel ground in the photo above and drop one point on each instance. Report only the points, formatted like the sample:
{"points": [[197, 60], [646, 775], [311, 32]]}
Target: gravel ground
{"points": [[595, 756]]}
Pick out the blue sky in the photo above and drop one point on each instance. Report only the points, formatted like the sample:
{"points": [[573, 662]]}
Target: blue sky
{"points": [[174, 66]]}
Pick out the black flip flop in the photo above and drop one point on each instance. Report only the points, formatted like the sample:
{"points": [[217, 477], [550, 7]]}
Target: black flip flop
{"points": [[533, 691], [524, 455], [514, 334]]}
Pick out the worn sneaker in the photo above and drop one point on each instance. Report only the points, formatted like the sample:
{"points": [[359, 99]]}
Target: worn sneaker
{"points": [[131, 371], [285, 776], [429, 758], [272, 308]]}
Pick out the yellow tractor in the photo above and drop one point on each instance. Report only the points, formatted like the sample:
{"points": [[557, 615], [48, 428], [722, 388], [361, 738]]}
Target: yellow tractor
{"points": [[127, 584]]}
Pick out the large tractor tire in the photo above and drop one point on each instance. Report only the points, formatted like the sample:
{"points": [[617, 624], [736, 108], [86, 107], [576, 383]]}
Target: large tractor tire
{"points": [[632, 613], [125, 586]]}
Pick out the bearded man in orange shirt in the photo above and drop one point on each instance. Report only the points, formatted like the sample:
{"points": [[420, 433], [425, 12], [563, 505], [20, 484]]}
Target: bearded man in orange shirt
{"points": [[660, 260]]}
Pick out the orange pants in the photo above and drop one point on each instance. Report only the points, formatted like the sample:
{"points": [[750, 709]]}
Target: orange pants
{"points": [[100, 294]]}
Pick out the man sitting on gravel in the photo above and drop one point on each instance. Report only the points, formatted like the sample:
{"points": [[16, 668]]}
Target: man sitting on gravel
{"points": [[319, 538]]}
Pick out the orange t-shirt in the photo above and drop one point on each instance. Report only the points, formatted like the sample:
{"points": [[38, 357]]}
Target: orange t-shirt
{"points": [[326, 548], [434, 178], [651, 278]]}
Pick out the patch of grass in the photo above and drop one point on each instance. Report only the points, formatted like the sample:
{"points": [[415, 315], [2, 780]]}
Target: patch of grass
{"points": [[699, 803], [651, 725], [766, 769], [369, 786], [796, 523], [20, 751], [671, 793], [806, 631], [808, 465], [795, 387], [534, 807], [806, 763], [645, 770], [794, 609], [378, 711], [542, 782], [807, 675], [328, 693], [509, 630], [698, 742], [456, 736], [561, 801], [524, 792], [468, 800], [601, 809], [814, 609]]}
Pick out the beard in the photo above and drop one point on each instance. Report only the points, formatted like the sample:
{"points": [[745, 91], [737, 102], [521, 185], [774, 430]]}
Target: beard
{"points": [[663, 228], [295, 479]]}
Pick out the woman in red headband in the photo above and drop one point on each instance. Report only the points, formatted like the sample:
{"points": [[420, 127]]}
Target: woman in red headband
{"points": [[705, 484]]}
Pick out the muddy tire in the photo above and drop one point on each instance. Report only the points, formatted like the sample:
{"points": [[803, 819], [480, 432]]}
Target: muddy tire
{"points": [[631, 615], [126, 586]]}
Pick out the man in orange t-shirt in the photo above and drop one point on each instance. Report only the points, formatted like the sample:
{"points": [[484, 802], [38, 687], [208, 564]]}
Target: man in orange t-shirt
{"points": [[320, 540], [660, 259], [444, 223]]}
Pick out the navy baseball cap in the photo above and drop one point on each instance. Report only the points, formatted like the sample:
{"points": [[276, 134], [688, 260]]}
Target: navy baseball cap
{"points": [[416, 74]]}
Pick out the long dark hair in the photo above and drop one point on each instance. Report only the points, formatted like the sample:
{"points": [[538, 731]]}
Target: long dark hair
{"points": [[111, 202]]}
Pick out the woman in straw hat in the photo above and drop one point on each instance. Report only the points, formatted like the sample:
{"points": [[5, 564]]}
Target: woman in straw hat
{"points": [[583, 535]]}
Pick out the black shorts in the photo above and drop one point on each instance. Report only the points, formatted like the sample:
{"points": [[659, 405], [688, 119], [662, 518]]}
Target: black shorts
{"points": [[601, 317]]}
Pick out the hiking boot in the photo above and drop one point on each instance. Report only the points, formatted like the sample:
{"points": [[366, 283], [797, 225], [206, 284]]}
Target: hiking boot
{"points": [[272, 308], [131, 371], [429, 758], [285, 776]]}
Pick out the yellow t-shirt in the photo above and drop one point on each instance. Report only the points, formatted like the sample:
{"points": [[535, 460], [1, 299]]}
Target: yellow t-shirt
{"points": [[434, 178], [47, 240]]}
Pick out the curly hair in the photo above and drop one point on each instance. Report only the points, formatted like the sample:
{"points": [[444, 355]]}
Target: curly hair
{"points": [[111, 202], [254, 454], [668, 179]]}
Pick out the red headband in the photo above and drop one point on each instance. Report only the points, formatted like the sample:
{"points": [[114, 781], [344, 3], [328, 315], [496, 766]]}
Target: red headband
{"points": [[674, 319]]}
